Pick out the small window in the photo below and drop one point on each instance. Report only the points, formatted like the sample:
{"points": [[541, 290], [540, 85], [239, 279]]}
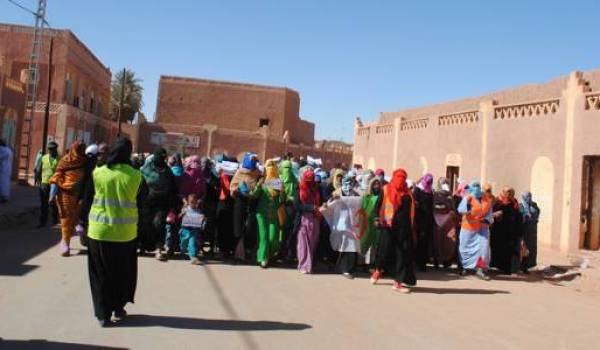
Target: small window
{"points": [[262, 122]]}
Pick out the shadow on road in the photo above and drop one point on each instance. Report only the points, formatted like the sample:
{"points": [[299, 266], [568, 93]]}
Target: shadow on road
{"points": [[18, 246], [439, 275], [208, 324], [50, 345], [457, 291]]}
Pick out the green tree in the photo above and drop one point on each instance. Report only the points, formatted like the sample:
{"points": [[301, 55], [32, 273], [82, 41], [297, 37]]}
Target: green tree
{"points": [[125, 81]]}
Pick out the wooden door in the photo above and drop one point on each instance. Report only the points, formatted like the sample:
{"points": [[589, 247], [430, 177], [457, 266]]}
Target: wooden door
{"points": [[590, 232], [452, 174]]}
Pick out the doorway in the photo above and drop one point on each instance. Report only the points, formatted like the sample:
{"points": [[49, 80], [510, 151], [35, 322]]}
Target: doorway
{"points": [[452, 174], [590, 207]]}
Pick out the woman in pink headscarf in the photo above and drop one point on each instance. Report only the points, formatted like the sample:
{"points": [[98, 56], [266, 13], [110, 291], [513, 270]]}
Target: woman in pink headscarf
{"points": [[423, 195], [192, 179]]}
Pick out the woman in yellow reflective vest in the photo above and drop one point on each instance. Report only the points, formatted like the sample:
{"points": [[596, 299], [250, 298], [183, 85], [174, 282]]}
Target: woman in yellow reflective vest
{"points": [[112, 232]]}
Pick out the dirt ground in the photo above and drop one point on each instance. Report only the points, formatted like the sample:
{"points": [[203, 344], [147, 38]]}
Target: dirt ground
{"points": [[45, 303]]}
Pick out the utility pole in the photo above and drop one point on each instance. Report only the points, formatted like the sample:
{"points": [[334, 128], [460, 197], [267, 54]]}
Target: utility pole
{"points": [[122, 97], [49, 92], [32, 85]]}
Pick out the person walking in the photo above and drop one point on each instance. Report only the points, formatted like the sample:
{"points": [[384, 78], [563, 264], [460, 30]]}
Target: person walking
{"points": [[290, 188], [112, 233], [44, 170], [445, 233], [6, 160], [65, 186], [160, 189], [370, 203], [270, 200], [531, 215], [474, 246], [307, 207], [423, 195], [397, 216], [86, 195], [506, 235], [242, 187]]}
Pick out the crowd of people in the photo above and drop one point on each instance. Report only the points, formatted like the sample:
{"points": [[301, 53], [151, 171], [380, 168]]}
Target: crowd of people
{"points": [[280, 212]]}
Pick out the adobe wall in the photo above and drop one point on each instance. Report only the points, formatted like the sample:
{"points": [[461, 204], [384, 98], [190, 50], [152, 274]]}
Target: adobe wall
{"points": [[12, 105], [233, 143], [71, 57], [227, 105], [535, 145]]}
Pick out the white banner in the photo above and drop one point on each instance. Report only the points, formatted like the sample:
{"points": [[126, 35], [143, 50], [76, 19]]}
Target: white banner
{"points": [[174, 139]]}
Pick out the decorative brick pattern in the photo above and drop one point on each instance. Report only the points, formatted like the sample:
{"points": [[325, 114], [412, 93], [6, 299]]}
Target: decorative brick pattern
{"points": [[364, 131], [384, 129], [592, 101], [458, 118], [527, 110], [54, 107], [414, 124]]}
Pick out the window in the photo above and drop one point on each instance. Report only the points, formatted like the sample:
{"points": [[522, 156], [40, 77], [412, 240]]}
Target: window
{"points": [[262, 122]]}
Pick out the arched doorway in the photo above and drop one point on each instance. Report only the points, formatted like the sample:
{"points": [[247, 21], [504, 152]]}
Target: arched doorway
{"points": [[9, 128], [542, 189]]}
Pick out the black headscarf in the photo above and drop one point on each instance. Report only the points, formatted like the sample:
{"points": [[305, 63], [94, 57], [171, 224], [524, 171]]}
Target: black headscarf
{"points": [[120, 152], [160, 154]]}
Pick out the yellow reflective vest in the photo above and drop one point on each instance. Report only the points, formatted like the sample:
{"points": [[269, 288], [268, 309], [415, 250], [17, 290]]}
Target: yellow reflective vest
{"points": [[114, 214], [48, 167]]}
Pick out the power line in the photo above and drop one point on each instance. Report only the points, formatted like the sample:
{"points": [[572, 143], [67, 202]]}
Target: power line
{"points": [[30, 11]]}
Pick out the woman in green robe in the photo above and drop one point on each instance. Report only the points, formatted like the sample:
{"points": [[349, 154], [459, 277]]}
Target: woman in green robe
{"points": [[270, 199], [370, 211]]}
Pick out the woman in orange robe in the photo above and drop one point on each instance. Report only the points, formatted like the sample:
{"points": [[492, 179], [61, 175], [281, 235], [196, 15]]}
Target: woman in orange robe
{"points": [[66, 184]]}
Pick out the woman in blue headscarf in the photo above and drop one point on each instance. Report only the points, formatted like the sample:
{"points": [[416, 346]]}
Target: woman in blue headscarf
{"points": [[474, 247], [531, 214], [242, 188]]}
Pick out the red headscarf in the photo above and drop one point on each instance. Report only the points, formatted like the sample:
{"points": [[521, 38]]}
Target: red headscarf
{"points": [[397, 189], [309, 189], [506, 200]]}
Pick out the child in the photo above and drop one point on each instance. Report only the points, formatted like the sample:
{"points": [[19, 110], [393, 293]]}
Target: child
{"points": [[193, 222]]}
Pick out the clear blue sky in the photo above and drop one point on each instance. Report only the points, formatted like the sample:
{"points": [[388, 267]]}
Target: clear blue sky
{"points": [[345, 58]]}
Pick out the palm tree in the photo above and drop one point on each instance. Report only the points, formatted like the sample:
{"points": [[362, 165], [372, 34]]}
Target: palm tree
{"points": [[127, 83]]}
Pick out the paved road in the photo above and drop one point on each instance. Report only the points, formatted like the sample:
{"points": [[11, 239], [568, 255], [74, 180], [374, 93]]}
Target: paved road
{"points": [[45, 303]]}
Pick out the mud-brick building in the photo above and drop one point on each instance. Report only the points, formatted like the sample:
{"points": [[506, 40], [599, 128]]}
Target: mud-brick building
{"points": [[12, 106], [79, 96], [538, 137], [208, 117]]}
